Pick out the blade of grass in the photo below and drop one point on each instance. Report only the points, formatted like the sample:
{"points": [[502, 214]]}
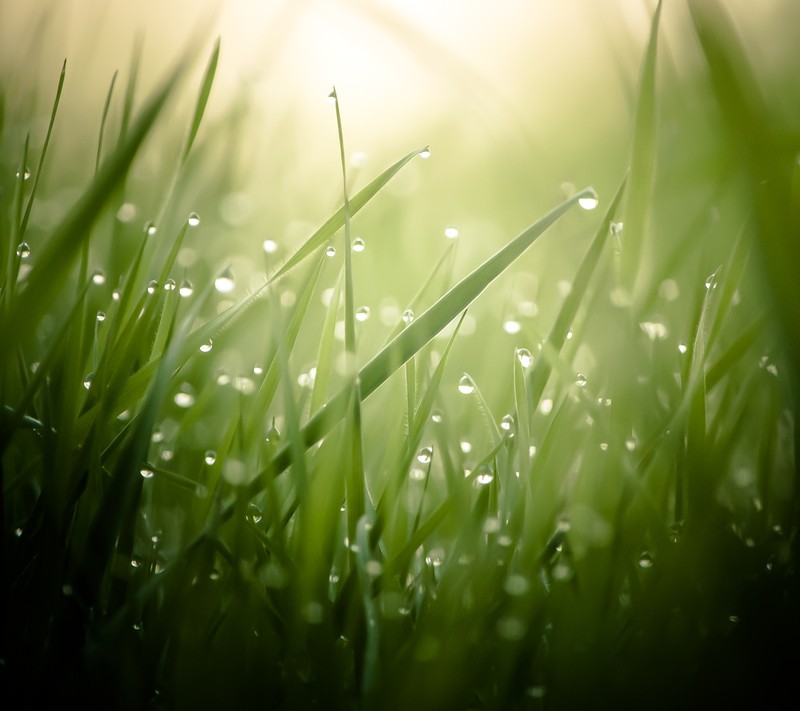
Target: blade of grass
{"points": [[24, 224], [103, 119]]}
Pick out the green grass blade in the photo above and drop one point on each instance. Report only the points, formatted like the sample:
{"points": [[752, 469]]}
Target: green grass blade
{"points": [[24, 224], [642, 166], [202, 99], [103, 120], [336, 221], [325, 350]]}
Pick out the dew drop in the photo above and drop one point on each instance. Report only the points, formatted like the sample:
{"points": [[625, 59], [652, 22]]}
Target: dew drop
{"points": [[116, 295], [525, 358], [362, 313], [24, 174], [206, 347], [437, 417], [451, 232], [225, 283], [465, 385], [101, 316], [580, 380], [589, 201], [146, 472], [270, 246], [407, 316], [603, 446], [87, 381], [186, 289], [359, 245], [424, 455], [210, 457], [332, 97], [23, 250], [170, 285], [507, 423], [98, 278], [253, 514], [616, 228], [185, 396], [485, 476], [126, 212], [546, 406], [682, 347], [193, 220], [466, 446], [152, 287], [150, 228], [711, 281], [630, 443], [645, 560], [425, 153], [330, 251], [570, 335], [512, 326]]}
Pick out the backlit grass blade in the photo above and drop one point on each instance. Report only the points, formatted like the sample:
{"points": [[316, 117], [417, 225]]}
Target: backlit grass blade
{"points": [[540, 373], [202, 99], [336, 221], [325, 350], [423, 329], [642, 168], [103, 119], [24, 224]]}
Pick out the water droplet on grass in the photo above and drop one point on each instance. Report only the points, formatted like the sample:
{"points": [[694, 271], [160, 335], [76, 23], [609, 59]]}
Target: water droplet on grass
{"points": [[185, 396], [87, 381], [359, 245], [485, 476], [101, 316], [465, 385], [152, 287], [186, 289], [570, 335], [225, 282], [332, 97], [269, 246], [437, 417], [590, 201], [466, 446], [362, 313], [615, 228], [424, 455], [630, 443], [98, 278], [425, 153], [253, 513], [146, 472], [24, 174], [645, 560], [546, 406], [407, 316], [170, 285], [150, 228], [126, 212], [23, 250], [193, 220], [711, 281], [330, 251], [210, 457], [512, 326], [580, 380], [451, 232], [525, 358], [507, 423], [682, 348], [206, 347]]}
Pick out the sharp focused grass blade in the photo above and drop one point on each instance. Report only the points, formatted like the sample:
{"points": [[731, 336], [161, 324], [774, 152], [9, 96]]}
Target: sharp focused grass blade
{"points": [[202, 99]]}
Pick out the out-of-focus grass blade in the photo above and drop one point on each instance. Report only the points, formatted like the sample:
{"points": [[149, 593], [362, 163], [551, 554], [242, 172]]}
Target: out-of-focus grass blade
{"points": [[103, 120], [325, 350], [637, 206], [57, 255], [202, 99], [24, 225], [770, 163], [420, 331]]}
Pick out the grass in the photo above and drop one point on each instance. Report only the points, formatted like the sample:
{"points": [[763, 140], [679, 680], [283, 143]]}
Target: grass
{"points": [[601, 511]]}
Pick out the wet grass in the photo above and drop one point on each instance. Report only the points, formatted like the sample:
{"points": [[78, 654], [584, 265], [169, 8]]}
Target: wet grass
{"points": [[602, 511]]}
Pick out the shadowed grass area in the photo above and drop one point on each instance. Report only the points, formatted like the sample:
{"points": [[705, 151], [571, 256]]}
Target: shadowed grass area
{"points": [[223, 489]]}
